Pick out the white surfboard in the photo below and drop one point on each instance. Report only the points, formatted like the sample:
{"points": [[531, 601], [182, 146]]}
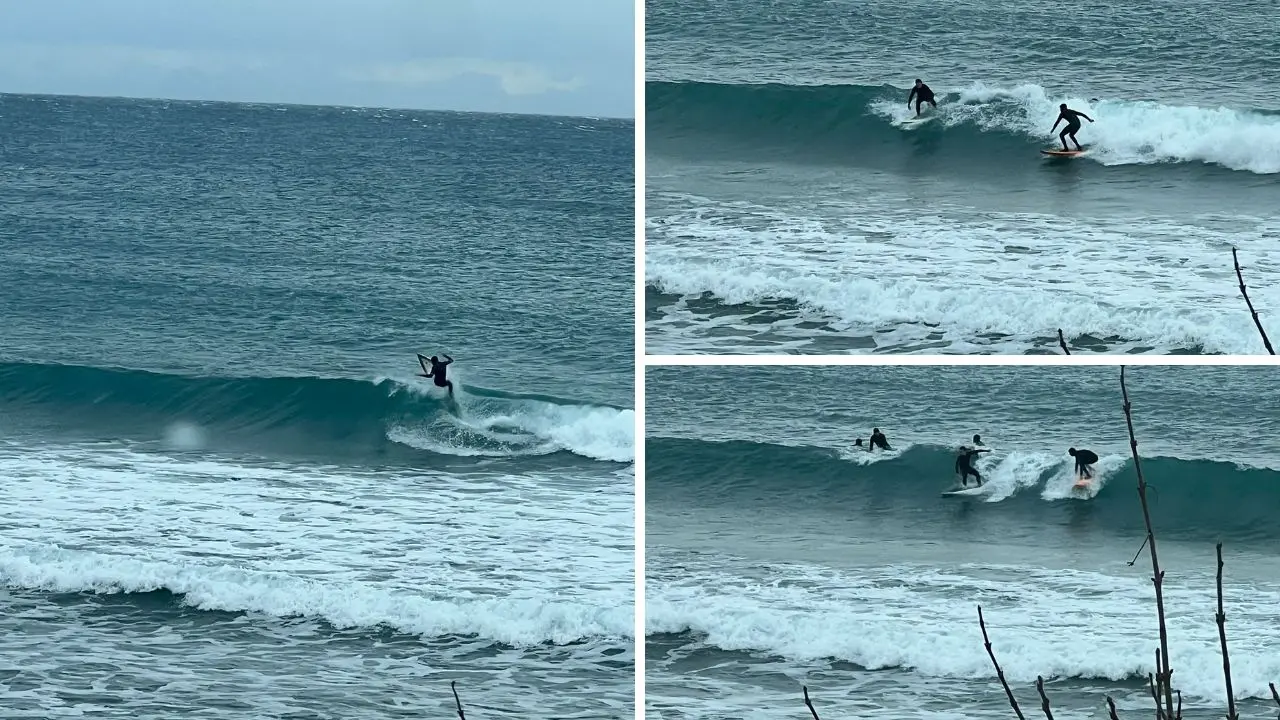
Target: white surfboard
{"points": [[913, 122], [964, 491]]}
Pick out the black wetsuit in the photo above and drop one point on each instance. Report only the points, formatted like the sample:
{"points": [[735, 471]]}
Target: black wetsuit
{"points": [[438, 372], [1072, 117], [964, 465], [1085, 458], [878, 440], [921, 95]]}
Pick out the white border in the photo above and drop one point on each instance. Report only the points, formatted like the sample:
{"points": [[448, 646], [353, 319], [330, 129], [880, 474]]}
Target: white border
{"points": [[640, 362], [953, 360]]}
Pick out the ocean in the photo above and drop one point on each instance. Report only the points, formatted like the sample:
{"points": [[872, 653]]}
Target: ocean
{"points": [[223, 491], [788, 211], [779, 556]]}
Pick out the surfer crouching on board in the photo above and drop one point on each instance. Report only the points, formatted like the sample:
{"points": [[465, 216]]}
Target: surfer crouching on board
{"points": [[437, 371], [1072, 118], [1084, 459], [921, 94], [964, 463]]}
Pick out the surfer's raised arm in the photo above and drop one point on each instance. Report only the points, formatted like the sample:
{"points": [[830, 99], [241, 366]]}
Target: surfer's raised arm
{"points": [[447, 359]]}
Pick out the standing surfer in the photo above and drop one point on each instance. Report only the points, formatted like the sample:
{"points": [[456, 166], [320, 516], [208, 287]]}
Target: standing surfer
{"points": [[922, 94], [437, 370], [1072, 118], [964, 462]]}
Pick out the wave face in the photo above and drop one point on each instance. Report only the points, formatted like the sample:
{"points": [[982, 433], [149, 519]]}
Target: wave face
{"points": [[383, 418], [1193, 499], [984, 127]]}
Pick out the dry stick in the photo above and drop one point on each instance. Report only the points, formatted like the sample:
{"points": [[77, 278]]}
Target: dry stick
{"points": [[1155, 694], [1111, 708], [1063, 342], [808, 702], [1265, 340], [1165, 673], [1044, 699], [453, 685], [1222, 636], [1013, 703]]}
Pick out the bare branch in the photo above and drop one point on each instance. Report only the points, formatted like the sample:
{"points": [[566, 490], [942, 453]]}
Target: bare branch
{"points": [[1013, 703], [1062, 342], [453, 685], [809, 702], [1044, 699], [1222, 637], [1164, 673], [1243, 291]]}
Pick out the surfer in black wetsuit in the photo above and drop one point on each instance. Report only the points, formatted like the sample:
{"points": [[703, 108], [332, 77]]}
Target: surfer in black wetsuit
{"points": [[1084, 459], [878, 440], [964, 463], [1072, 118], [921, 94], [437, 371]]}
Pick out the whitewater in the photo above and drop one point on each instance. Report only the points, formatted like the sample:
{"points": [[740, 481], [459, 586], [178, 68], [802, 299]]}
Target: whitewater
{"points": [[780, 555]]}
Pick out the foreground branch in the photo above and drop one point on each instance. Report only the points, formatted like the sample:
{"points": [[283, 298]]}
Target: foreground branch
{"points": [[809, 702], [1222, 637], [1013, 703], [1062, 342], [1164, 673], [1258, 323], [453, 685], [1044, 699]]}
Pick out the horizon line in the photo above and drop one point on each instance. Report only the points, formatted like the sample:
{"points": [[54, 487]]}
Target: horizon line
{"points": [[314, 105]]}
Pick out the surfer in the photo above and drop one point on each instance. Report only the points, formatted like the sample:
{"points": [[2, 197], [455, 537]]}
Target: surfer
{"points": [[1072, 118], [921, 94], [977, 441], [964, 462], [878, 440], [437, 371], [1084, 459]]}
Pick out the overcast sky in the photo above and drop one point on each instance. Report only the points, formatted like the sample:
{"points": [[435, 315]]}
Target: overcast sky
{"points": [[558, 57]]}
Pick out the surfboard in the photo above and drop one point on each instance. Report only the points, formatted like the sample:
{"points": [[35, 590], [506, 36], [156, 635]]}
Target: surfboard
{"points": [[1083, 484], [915, 121], [1064, 153], [963, 492]]}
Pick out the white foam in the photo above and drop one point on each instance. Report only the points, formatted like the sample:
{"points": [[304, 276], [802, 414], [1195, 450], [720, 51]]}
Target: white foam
{"points": [[422, 551], [1125, 132], [1051, 622], [956, 279], [860, 455]]}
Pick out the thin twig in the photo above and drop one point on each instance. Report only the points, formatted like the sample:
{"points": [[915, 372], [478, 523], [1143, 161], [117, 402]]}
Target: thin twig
{"points": [[1135, 555], [453, 685], [1044, 699], [1164, 672], [1013, 703], [1111, 708], [1063, 343], [1265, 340], [1155, 693], [808, 702], [1222, 636]]}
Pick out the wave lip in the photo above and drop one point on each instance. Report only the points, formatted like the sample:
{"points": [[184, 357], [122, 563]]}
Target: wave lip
{"points": [[986, 123], [318, 414]]}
